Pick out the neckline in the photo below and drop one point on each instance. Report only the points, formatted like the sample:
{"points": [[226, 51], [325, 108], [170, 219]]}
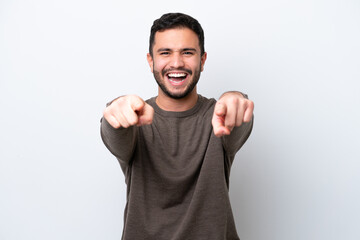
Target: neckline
{"points": [[191, 111]]}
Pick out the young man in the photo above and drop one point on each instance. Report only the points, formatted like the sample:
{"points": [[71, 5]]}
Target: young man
{"points": [[176, 149]]}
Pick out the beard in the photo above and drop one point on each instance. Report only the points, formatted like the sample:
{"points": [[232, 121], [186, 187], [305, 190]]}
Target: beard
{"points": [[159, 77]]}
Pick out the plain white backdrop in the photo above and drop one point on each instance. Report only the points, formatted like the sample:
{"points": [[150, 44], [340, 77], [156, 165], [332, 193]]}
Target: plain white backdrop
{"points": [[296, 178]]}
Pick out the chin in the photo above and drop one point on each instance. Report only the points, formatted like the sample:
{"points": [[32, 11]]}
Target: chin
{"points": [[177, 95]]}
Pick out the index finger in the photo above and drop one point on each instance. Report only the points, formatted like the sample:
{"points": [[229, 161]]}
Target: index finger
{"points": [[146, 115]]}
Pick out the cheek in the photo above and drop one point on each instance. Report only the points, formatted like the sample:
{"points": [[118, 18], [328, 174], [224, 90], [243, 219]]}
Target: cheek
{"points": [[159, 65], [195, 64]]}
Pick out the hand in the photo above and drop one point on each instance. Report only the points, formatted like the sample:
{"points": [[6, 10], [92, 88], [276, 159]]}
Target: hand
{"points": [[231, 110], [128, 111]]}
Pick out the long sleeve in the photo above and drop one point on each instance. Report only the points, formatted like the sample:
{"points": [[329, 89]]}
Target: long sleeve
{"points": [[233, 142], [120, 142], [238, 136]]}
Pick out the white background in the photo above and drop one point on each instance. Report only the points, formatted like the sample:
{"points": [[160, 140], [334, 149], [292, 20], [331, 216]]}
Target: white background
{"points": [[296, 178]]}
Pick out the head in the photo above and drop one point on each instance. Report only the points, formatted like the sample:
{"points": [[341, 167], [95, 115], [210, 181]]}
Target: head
{"points": [[176, 20], [176, 54]]}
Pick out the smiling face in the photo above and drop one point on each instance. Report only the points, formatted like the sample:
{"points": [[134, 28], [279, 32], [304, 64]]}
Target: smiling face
{"points": [[176, 62]]}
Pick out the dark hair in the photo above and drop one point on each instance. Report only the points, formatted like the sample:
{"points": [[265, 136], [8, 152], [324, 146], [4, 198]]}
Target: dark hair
{"points": [[176, 20]]}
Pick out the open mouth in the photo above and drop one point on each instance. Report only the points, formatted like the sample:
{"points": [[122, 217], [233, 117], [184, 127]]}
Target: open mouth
{"points": [[177, 78]]}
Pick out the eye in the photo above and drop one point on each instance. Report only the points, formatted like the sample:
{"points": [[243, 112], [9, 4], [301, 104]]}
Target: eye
{"points": [[164, 53], [188, 53]]}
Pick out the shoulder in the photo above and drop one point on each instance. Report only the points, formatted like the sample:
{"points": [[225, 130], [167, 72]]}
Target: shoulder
{"points": [[206, 101], [207, 104]]}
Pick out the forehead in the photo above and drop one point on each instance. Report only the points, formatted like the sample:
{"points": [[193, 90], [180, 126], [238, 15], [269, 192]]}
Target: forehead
{"points": [[176, 38]]}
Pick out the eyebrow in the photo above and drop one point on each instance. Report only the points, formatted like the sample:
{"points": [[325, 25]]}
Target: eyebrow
{"points": [[181, 50]]}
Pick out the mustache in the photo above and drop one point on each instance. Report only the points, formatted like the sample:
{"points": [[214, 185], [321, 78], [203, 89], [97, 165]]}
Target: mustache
{"points": [[165, 71]]}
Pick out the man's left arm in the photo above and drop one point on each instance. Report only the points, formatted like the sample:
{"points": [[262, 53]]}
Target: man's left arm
{"points": [[233, 119]]}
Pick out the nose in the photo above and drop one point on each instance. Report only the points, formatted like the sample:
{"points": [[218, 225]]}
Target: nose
{"points": [[177, 60]]}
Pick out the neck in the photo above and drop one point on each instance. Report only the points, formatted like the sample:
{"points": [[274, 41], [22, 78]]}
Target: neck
{"points": [[176, 105]]}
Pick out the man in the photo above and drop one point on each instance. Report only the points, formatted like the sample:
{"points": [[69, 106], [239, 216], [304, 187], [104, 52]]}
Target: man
{"points": [[176, 149]]}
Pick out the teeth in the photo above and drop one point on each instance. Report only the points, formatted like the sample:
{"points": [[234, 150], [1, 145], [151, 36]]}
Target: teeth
{"points": [[174, 81], [176, 75]]}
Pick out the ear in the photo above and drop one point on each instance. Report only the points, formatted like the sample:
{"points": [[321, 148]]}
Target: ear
{"points": [[203, 59], [151, 62]]}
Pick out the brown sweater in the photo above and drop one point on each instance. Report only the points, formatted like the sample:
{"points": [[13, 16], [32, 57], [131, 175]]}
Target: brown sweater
{"points": [[177, 175]]}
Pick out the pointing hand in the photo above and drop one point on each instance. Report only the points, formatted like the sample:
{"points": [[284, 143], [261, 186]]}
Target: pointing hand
{"points": [[231, 110], [128, 111]]}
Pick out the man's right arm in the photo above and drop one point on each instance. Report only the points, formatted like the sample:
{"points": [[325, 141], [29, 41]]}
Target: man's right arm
{"points": [[118, 125]]}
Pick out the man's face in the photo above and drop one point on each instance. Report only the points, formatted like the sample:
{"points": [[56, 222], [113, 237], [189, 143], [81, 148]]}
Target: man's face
{"points": [[177, 61]]}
